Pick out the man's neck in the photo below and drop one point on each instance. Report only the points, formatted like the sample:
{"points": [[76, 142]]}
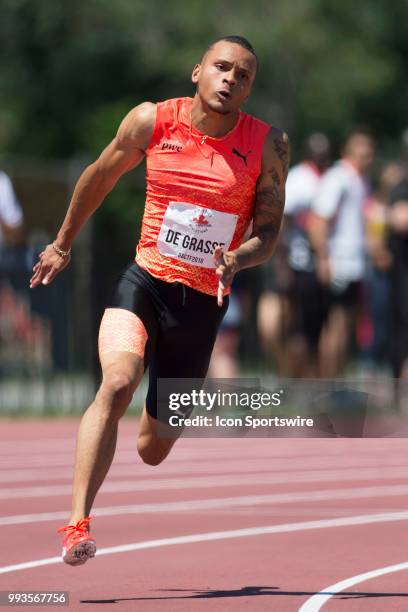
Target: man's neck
{"points": [[209, 122]]}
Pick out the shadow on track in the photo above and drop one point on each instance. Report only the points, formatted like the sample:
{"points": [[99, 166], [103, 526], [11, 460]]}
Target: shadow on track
{"points": [[248, 591]]}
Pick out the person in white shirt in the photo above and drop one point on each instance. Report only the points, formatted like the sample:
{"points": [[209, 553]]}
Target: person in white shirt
{"points": [[305, 292], [11, 216], [337, 235]]}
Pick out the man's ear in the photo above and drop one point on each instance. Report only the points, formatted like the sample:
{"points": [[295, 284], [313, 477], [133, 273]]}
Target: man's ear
{"points": [[195, 74]]}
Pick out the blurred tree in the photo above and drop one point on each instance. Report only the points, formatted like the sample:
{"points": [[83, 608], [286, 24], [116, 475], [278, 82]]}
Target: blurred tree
{"points": [[69, 71]]}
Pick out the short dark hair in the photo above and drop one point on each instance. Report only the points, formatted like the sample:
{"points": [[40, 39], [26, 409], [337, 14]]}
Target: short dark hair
{"points": [[238, 40]]}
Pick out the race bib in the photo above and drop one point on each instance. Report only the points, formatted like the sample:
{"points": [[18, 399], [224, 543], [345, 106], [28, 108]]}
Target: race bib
{"points": [[191, 233]]}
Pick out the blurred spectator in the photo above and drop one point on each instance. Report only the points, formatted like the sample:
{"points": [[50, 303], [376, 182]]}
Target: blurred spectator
{"points": [[337, 235], [304, 296], [224, 358], [24, 336], [11, 216], [273, 316], [398, 244], [374, 324]]}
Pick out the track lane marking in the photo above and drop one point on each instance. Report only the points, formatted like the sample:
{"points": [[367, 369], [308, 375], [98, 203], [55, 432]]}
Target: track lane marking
{"points": [[181, 454], [317, 601], [230, 466], [149, 484], [223, 535], [220, 502]]}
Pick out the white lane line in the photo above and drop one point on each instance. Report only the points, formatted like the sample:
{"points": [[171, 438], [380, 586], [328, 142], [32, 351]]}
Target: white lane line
{"points": [[218, 503], [313, 447], [49, 446], [56, 442], [318, 600], [137, 469], [57, 459], [364, 519], [23, 459], [129, 457], [153, 484]]}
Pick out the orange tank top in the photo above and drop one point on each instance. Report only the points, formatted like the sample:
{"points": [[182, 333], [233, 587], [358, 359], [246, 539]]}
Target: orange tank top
{"points": [[200, 194]]}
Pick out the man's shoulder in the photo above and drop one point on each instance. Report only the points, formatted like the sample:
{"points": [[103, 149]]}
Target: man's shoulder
{"points": [[257, 120], [137, 127], [174, 103], [178, 100], [173, 110], [337, 172], [267, 130], [141, 115]]}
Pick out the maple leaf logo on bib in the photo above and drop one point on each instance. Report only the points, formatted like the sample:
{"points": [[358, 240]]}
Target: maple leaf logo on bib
{"points": [[201, 220], [200, 224]]}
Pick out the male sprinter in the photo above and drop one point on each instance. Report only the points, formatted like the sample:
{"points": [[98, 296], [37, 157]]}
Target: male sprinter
{"points": [[211, 169]]}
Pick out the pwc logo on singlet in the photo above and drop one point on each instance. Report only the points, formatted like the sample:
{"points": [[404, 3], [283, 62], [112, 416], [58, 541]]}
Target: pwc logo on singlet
{"points": [[171, 146]]}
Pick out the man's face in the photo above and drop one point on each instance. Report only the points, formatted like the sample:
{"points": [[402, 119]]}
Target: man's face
{"points": [[361, 150], [225, 76]]}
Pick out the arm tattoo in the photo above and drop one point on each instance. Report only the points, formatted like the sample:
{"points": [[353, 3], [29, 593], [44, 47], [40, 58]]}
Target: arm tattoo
{"points": [[277, 198], [268, 211], [280, 151], [270, 201], [275, 177]]}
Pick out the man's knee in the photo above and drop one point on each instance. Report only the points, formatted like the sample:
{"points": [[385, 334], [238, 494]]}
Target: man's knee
{"points": [[151, 451], [117, 391]]}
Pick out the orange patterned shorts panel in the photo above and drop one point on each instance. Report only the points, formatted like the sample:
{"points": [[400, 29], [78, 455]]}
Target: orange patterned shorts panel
{"points": [[122, 330]]}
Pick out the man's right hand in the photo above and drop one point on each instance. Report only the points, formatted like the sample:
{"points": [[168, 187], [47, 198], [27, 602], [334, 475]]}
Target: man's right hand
{"points": [[49, 265]]}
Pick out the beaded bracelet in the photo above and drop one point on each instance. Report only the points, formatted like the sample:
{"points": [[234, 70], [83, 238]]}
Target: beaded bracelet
{"points": [[60, 252]]}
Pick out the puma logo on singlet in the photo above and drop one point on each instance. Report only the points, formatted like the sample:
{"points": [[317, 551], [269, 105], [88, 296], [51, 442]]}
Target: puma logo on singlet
{"points": [[172, 146], [241, 155]]}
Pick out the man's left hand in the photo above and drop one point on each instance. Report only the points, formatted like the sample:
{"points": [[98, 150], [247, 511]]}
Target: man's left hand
{"points": [[226, 268]]}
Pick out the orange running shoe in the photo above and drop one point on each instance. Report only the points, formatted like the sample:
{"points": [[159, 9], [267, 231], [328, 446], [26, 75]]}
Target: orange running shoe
{"points": [[77, 545]]}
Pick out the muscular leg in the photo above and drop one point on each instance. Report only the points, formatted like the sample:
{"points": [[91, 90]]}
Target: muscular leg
{"points": [[154, 448], [183, 351], [96, 442]]}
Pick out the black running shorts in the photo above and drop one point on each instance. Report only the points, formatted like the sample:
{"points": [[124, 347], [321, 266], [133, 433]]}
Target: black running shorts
{"points": [[181, 324]]}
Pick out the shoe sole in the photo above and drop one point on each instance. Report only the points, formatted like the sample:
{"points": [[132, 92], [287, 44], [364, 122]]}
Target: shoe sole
{"points": [[79, 554]]}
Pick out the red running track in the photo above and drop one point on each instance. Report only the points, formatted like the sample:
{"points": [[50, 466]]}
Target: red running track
{"points": [[249, 524]]}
